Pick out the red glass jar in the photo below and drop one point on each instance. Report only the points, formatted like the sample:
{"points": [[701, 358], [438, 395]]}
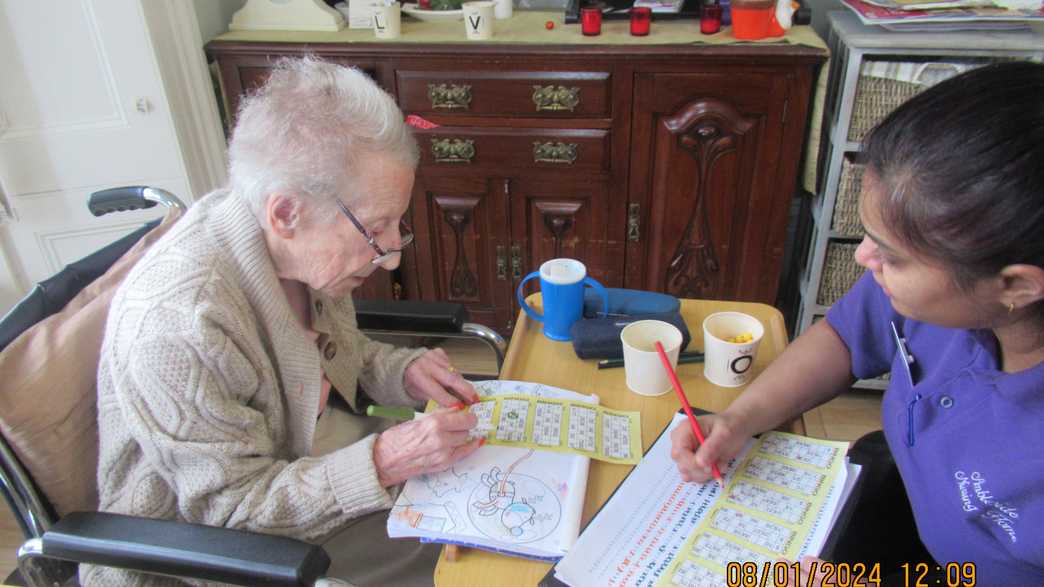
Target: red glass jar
{"points": [[710, 18], [641, 18], [591, 21]]}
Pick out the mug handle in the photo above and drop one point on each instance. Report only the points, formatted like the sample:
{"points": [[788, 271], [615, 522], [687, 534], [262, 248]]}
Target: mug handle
{"points": [[522, 302], [601, 292]]}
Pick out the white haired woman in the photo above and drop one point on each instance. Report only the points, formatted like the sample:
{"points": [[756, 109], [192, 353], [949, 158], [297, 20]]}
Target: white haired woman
{"points": [[224, 342]]}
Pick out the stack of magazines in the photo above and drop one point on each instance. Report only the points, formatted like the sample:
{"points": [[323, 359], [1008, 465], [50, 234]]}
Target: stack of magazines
{"points": [[947, 15]]}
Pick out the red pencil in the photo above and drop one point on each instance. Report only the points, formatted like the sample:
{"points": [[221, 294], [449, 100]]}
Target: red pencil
{"points": [[685, 406]]}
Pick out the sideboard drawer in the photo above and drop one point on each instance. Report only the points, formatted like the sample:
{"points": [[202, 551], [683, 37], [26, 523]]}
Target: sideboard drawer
{"points": [[567, 149], [568, 94]]}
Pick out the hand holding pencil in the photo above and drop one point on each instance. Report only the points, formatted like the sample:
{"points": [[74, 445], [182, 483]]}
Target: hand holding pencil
{"points": [[724, 440], [693, 423]]}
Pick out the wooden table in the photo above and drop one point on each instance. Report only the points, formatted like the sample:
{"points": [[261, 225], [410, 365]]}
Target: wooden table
{"points": [[533, 357]]}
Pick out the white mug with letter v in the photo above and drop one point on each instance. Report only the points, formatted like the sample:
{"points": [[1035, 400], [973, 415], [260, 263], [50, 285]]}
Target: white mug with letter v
{"points": [[478, 20]]}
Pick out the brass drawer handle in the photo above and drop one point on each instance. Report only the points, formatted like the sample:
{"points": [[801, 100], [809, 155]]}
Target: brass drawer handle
{"points": [[516, 262], [554, 152], [501, 263], [453, 150], [450, 96], [556, 98], [634, 220]]}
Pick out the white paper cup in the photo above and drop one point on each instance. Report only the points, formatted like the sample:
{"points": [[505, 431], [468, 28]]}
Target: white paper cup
{"points": [[387, 21], [503, 9], [642, 364], [730, 364], [478, 20]]}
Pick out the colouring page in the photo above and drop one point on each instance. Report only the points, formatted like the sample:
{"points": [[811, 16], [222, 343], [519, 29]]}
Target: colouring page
{"points": [[513, 499]]}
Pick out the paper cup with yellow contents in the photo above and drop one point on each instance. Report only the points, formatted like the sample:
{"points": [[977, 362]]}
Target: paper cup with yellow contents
{"points": [[730, 344]]}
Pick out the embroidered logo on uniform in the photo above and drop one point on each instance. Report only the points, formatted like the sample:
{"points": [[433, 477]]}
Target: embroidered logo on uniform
{"points": [[975, 497]]}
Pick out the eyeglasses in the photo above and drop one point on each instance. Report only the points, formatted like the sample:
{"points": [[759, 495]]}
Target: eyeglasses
{"points": [[382, 256]]}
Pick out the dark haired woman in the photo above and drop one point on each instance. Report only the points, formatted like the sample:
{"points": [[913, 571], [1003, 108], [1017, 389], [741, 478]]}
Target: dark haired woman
{"points": [[953, 207]]}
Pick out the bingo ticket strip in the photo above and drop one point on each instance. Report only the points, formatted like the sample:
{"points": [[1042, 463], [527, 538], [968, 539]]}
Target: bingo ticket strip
{"points": [[768, 510], [560, 425]]}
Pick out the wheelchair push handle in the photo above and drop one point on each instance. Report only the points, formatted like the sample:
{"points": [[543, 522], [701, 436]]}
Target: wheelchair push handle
{"points": [[130, 198]]}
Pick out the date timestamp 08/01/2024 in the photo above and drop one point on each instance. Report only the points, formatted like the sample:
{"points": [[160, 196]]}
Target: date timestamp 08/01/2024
{"points": [[777, 574]]}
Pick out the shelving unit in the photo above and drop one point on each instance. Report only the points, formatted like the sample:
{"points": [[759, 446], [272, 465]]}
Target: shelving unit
{"points": [[857, 98]]}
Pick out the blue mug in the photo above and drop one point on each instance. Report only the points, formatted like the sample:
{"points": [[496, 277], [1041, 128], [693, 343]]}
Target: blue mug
{"points": [[562, 284]]}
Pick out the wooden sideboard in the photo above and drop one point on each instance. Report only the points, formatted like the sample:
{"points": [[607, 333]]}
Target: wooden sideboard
{"points": [[661, 167]]}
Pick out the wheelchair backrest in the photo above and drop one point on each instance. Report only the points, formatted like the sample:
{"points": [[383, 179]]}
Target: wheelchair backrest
{"points": [[48, 390]]}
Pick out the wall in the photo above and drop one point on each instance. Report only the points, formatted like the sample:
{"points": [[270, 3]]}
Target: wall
{"points": [[820, 8], [214, 16]]}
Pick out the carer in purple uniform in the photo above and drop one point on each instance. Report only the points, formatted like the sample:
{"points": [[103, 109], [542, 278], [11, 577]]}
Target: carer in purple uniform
{"points": [[953, 207]]}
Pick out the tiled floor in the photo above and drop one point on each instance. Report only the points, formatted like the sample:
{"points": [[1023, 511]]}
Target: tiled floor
{"points": [[846, 418]]}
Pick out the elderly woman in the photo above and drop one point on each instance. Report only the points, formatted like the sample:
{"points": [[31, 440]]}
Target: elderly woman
{"points": [[225, 342]]}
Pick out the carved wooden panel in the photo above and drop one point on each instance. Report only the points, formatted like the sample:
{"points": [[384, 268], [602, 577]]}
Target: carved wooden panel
{"points": [[701, 151], [566, 219], [463, 245], [457, 213], [711, 187], [711, 133]]}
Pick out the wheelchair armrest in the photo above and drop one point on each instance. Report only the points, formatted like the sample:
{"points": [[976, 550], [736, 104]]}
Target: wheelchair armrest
{"points": [[410, 316], [187, 550]]}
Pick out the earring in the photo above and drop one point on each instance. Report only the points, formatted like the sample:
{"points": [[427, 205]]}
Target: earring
{"points": [[1011, 307]]}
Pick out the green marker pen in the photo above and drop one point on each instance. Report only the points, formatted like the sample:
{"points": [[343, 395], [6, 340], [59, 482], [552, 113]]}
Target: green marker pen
{"points": [[393, 412]]}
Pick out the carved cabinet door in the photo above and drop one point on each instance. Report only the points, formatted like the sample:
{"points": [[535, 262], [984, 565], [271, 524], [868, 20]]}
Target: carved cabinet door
{"points": [[462, 252], [707, 211], [559, 217]]}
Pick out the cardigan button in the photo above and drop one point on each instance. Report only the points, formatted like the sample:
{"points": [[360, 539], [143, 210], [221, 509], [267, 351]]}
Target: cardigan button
{"points": [[319, 307], [946, 401], [330, 351]]}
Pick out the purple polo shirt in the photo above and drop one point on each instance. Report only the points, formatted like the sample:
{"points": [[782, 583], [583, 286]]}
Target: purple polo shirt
{"points": [[974, 470]]}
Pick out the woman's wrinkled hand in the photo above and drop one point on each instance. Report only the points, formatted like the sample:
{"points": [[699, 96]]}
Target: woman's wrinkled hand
{"points": [[724, 441], [424, 445], [432, 376]]}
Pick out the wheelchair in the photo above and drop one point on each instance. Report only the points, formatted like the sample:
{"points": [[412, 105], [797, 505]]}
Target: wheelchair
{"points": [[55, 544]]}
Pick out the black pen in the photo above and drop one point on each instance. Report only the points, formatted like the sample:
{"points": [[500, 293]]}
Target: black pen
{"points": [[689, 357]]}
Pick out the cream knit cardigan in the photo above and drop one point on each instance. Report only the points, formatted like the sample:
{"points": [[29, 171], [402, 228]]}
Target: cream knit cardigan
{"points": [[208, 390]]}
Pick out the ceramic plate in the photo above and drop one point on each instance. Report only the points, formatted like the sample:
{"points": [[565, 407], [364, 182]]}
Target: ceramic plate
{"points": [[435, 15]]}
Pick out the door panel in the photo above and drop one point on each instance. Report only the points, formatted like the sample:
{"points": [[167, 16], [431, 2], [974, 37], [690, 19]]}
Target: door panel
{"points": [[79, 115], [555, 218], [704, 179], [462, 251]]}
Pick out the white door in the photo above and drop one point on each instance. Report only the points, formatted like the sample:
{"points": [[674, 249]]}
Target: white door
{"points": [[82, 108]]}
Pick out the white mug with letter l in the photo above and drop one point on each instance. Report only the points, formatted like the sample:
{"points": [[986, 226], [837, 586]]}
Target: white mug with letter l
{"points": [[478, 20], [387, 20]]}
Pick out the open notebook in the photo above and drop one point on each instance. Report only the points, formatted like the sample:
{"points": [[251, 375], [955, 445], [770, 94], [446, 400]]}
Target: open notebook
{"points": [[783, 495], [505, 499]]}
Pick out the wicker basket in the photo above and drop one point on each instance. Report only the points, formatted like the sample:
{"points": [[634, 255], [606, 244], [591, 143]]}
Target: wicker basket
{"points": [[875, 97], [846, 206], [840, 272]]}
